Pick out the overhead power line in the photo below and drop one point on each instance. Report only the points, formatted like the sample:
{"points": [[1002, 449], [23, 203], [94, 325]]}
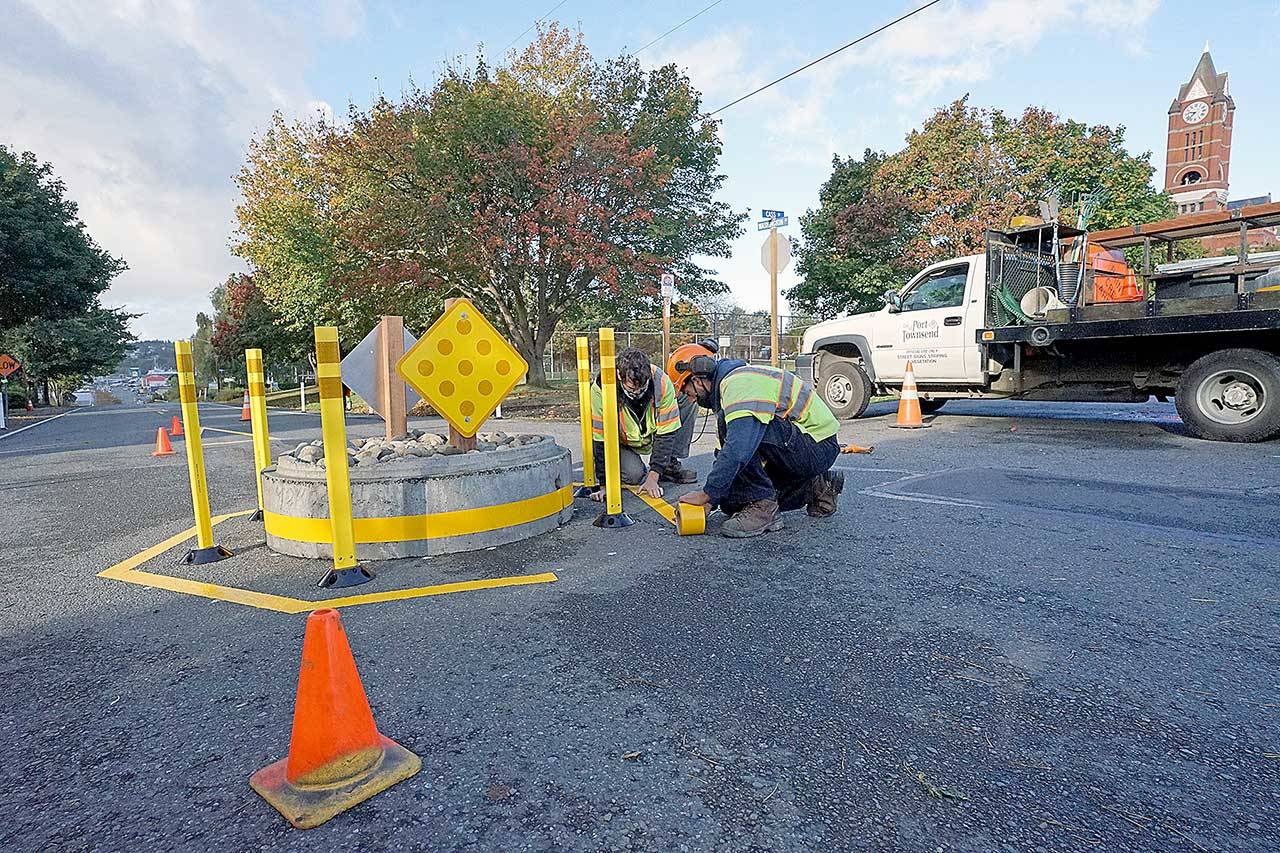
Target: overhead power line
{"points": [[534, 24], [862, 38], [678, 26]]}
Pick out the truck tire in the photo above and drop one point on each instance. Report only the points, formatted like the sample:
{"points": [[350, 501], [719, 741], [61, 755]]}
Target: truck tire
{"points": [[928, 407], [1231, 395], [846, 389]]}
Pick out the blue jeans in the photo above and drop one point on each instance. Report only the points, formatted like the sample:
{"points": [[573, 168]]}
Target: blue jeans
{"points": [[782, 468]]}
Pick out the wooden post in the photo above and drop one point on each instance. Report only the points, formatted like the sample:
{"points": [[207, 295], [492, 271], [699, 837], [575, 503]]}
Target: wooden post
{"points": [[773, 296], [456, 438], [390, 385]]}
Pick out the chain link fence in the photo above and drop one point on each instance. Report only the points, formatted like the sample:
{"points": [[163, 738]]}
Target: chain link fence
{"points": [[744, 336]]}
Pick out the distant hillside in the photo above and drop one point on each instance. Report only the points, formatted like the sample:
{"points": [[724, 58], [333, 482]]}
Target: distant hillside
{"points": [[148, 355]]}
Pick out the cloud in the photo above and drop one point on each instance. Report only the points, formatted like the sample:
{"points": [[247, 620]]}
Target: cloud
{"points": [[716, 64], [144, 109]]}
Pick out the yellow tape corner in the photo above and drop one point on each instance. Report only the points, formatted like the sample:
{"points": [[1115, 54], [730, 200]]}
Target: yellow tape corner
{"points": [[128, 571]]}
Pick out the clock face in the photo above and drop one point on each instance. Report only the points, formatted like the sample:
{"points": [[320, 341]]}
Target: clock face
{"points": [[1195, 112]]}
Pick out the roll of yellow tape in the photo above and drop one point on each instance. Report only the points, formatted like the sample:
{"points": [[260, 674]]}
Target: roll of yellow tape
{"points": [[691, 520]]}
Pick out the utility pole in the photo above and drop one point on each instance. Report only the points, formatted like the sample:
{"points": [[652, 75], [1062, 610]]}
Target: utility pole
{"points": [[773, 296], [668, 291], [775, 254]]}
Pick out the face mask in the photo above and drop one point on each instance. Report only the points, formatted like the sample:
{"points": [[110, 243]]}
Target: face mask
{"points": [[634, 395], [703, 396]]}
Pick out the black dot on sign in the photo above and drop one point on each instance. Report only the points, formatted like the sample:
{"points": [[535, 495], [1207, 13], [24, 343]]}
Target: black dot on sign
{"points": [[503, 367], [446, 388], [445, 346], [484, 347], [465, 367]]}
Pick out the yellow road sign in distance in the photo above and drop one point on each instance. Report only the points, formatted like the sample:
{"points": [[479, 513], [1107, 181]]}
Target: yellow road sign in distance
{"points": [[463, 367]]}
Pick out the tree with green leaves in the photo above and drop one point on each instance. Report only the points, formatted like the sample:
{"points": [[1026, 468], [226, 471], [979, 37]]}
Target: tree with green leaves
{"points": [[966, 170], [551, 183], [49, 265], [52, 275]]}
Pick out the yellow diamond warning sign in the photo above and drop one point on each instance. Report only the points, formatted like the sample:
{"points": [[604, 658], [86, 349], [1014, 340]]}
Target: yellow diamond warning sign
{"points": [[463, 367]]}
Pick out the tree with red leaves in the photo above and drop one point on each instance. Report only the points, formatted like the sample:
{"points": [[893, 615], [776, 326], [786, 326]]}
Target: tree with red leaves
{"points": [[550, 186]]}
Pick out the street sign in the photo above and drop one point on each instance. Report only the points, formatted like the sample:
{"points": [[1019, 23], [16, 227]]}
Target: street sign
{"points": [[772, 223], [772, 214], [784, 252], [668, 285], [8, 364], [463, 367], [360, 371]]}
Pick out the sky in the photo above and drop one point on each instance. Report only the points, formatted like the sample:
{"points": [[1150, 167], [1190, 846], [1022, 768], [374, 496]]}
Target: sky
{"points": [[145, 109]]}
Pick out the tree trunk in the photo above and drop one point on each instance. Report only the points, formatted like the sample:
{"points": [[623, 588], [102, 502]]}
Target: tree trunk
{"points": [[537, 368]]}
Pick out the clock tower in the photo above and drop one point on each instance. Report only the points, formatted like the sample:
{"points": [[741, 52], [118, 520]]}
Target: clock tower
{"points": [[1198, 158]]}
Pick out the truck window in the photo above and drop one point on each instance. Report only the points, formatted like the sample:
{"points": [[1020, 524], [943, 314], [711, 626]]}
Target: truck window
{"points": [[941, 289]]}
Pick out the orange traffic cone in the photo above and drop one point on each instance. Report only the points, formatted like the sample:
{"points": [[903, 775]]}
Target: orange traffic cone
{"points": [[176, 429], [337, 758], [909, 416], [163, 447], [858, 448], [244, 411]]}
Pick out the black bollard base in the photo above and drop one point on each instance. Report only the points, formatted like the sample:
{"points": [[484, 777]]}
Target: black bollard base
{"points": [[620, 519], [200, 556], [257, 515], [585, 491], [340, 578]]}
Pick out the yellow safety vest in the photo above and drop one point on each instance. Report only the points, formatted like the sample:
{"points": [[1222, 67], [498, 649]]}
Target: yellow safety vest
{"points": [[662, 416], [766, 393]]}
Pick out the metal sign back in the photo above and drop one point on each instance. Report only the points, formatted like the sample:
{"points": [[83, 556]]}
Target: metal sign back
{"points": [[360, 371], [784, 252]]}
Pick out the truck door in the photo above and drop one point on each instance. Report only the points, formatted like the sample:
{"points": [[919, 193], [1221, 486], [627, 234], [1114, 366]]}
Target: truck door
{"points": [[930, 329]]}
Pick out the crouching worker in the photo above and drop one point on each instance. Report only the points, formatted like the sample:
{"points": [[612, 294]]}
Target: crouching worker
{"points": [[778, 441], [650, 423]]}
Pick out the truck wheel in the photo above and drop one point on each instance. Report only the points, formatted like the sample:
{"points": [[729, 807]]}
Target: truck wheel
{"points": [[845, 388], [928, 407], [1231, 395]]}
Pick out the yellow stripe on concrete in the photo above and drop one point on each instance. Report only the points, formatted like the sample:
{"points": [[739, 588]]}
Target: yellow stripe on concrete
{"points": [[437, 525], [228, 431], [127, 571], [439, 589]]}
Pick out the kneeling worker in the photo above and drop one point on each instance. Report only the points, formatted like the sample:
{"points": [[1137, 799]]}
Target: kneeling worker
{"points": [[650, 422], [778, 441]]}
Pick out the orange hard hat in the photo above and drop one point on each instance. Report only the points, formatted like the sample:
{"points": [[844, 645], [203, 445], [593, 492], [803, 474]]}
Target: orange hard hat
{"points": [[680, 364]]}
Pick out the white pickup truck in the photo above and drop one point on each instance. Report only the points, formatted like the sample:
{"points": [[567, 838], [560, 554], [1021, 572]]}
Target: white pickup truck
{"points": [[1213, 344]]}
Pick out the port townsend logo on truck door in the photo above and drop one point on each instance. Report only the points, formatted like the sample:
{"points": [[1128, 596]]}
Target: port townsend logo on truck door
{"points": [[919, 330]]}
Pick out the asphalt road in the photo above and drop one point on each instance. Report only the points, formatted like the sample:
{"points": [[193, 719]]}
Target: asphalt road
{"points": [[1030, 627]]}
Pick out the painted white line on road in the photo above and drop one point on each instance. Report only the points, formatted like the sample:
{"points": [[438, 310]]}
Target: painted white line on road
{"points": [[876, 491], [32, 426]]}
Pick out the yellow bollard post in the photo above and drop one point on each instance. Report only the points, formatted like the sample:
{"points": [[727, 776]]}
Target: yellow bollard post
{"points": [[333, 426], [584, 415], [612, 515], [258, 418], [205, 551]]}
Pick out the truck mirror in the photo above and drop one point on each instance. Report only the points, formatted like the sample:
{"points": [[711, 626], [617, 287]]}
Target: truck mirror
{"points": [[893, 300]]}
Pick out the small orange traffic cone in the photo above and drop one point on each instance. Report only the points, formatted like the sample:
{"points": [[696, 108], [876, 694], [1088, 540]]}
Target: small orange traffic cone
{"points": [[176, 429], [244, 411], [858, 448], [163, 447], [337, 757], [909, 416]]}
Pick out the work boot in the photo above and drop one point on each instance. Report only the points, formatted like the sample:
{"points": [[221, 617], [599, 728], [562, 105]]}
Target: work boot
{"points": [[755, 518], [823, 491], [677, 473]]}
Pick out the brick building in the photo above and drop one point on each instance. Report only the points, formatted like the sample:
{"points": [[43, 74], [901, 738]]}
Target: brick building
{"points": [[1198, 157]]}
